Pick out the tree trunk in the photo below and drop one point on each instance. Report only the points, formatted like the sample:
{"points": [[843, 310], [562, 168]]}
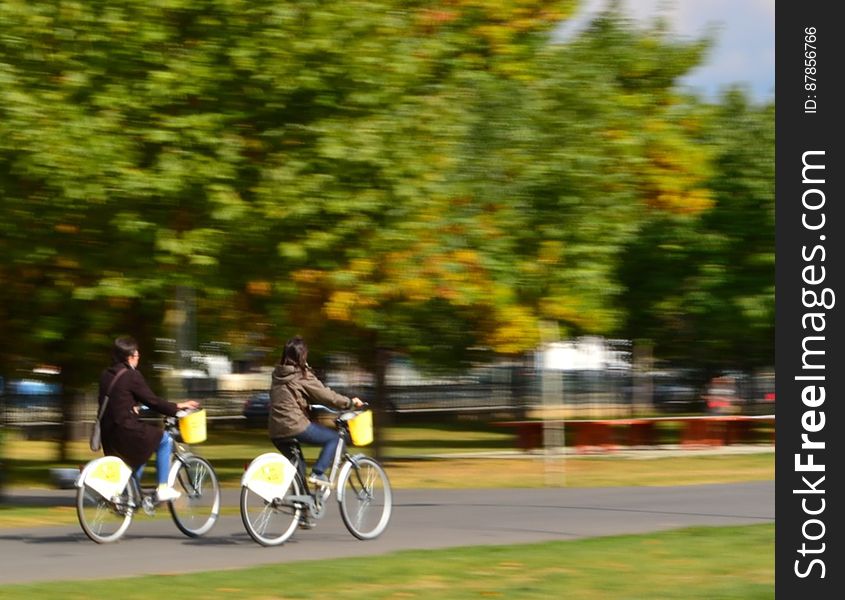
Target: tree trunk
{"points": [[380, 401], [68, 407]]}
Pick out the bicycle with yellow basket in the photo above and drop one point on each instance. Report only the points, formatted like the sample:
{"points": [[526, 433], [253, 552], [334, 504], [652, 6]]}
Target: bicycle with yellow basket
{"points": [[108, 496], [276, 499]]}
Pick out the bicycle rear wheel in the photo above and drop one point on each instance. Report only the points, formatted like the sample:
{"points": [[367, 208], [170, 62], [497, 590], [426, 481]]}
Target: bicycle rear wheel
{"points": [[103, 519], [366, 499], [195, 512], [271, 523]]}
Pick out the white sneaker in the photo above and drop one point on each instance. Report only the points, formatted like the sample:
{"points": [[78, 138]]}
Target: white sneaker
{"points": [[165, 494], [320, 480]]}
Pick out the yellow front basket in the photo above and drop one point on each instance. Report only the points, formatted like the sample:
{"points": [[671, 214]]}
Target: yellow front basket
{"points": [[361, 429], [192, 427]]}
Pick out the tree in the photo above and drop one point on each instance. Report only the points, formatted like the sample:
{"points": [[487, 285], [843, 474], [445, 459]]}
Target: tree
{"points": [[428, 178], [215, 146], [702, 286]]}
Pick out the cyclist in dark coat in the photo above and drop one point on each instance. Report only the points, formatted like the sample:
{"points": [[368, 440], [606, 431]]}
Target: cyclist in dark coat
{"points": [[124, 434], [293, 389]]}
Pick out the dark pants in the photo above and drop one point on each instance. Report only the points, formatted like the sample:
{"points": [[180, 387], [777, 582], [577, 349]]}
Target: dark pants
{"points": [[319, 435]]}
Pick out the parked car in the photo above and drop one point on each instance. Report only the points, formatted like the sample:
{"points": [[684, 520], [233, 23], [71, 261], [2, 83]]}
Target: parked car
{"points": [[31, 400], [677, 390], [257, 409]]}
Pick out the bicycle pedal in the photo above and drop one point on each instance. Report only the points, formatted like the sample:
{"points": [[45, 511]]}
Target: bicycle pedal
{"points": [[148, 505]]}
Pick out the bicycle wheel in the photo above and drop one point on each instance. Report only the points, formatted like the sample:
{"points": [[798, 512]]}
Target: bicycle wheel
{"points": [[365, 498], [195, 512], [103, 519], [271, 523]]}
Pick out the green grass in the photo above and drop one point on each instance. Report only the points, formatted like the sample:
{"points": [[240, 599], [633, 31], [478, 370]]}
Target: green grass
{"points": [[410, 452], [686, 564], [34, 516]]}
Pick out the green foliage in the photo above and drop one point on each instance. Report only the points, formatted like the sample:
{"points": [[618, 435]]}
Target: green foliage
{"points": [[702, 286], [372, 174]]}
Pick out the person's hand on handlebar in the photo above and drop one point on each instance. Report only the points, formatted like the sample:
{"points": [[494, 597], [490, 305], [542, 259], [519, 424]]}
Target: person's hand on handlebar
{"points": [[188, 405], [357, 402]]}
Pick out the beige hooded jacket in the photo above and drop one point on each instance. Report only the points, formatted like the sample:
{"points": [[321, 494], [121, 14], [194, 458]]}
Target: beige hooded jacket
{"points": [[291, 393]]}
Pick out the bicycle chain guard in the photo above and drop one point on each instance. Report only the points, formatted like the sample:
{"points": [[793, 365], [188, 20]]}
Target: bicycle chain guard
{"points": [[107, 476], [269, 475]]}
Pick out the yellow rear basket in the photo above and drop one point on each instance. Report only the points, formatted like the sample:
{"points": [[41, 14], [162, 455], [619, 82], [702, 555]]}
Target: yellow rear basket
{"points": [[192, 427], [361, 429]]}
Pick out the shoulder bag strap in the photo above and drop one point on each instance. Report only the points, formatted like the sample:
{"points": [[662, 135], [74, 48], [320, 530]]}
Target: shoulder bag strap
{"points": [[108, 393]]}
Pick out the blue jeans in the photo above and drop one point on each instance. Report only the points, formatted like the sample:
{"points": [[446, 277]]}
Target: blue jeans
{"points": [[321, 436], [165, 449]]}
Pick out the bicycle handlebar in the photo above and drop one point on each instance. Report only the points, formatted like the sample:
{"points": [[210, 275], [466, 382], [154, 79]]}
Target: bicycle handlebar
{"points": [[171, 423], [336, 411], [184, 412]]}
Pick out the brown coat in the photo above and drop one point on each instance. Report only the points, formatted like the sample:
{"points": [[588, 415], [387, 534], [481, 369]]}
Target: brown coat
{"points": [[124, 434], [291, 392]]}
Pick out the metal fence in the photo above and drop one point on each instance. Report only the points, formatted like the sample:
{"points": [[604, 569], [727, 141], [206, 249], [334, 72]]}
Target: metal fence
{"points": [[516, 390]]}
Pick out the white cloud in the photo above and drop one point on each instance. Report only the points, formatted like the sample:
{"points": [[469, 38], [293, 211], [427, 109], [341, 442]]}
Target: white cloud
{"points": [[744, 51]]}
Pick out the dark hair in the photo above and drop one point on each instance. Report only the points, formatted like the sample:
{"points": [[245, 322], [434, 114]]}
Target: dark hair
{"points": [[296, 353], [124, 347]]}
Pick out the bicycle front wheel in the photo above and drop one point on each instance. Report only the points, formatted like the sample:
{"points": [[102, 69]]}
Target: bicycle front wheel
{"points": [[271, 523], [195, 512], [366, 499], [103, 519]]}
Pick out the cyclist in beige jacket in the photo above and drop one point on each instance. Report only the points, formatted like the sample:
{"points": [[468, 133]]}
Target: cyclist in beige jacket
{"points": [[293, 390]]}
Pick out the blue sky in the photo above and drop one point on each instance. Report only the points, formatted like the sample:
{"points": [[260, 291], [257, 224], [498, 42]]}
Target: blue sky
{"points": [[744, 52]]}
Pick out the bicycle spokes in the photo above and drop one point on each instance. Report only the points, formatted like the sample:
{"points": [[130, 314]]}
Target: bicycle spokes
{"points": [[196, 511], [271, 517], [192, 478], [104, 510], [363, 482], [264, 518], [271, 522], [366, 500], [103, 519], [364, 493]]}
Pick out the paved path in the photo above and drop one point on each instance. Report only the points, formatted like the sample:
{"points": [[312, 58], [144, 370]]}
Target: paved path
{"points": [[422, 519]]}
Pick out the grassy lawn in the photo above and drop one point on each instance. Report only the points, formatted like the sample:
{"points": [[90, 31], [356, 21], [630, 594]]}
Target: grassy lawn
{"points": [[695, 563], [419, 456], [581, 471]]}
